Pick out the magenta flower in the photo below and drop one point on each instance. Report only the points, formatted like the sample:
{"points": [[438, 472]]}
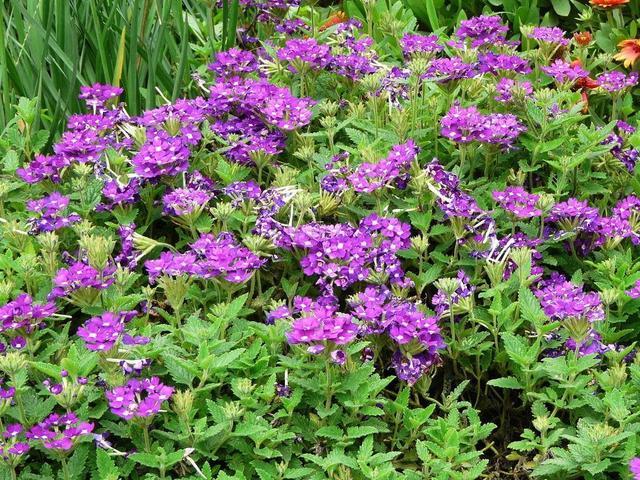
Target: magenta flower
{"points": [[60, 432], [138, 398]]}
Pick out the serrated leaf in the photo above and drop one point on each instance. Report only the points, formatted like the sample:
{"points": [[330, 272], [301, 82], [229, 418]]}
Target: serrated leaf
{"points": [[505, 382]]}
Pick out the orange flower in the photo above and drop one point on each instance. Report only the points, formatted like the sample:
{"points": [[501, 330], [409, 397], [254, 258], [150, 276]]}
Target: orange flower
{"points": [[583, 38], [335, 19], [629, 52], [608, 3]]}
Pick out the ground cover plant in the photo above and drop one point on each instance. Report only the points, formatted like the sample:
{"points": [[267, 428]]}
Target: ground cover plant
{"points": [[359, 251]]}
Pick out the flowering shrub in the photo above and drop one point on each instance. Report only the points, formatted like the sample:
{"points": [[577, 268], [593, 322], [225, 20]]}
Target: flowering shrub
{"points": [[359, 253]]}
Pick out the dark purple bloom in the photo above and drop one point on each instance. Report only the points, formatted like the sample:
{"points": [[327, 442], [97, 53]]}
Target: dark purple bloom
{"points": [[518, 202], [138, 398], [60, 432], [553, 35]]}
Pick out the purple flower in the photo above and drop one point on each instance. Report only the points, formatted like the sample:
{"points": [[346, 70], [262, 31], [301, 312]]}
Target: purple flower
{"points": [[411, 368], [80, 276], [616, 81], [466, 125], [119, 194], [305, 52], [369, 177], [234, 62], [339, 357], [563, 300], [634, 468], [97, 95], [184, 201], [562, 71], [517, 201], [23, 314], [42, 167], [101, 333], [415, 44], [553, 35], [447, 69], [49, 211], [507, 89], [443, 302], [210, 256], [574, 214], [138, 398], [494, 63], [482, 30], [291, 26], [60, 432], [162, 154], [321, 323]]}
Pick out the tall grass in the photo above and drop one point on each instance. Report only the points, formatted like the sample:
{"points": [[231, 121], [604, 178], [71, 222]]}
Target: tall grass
{"points": [[48, 48]]}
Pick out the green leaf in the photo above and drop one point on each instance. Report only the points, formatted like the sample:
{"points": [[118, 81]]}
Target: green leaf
{"points": [[146, 459], [505, 382], [562, 7], [107, 469]]}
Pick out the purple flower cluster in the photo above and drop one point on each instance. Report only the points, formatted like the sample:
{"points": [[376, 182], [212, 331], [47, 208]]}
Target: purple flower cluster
{"points": [[618, 141], [23, 314], [162, 154], [97, 95], [466, 125], [448, 69], [563, 300], [517, 201], [319, 323], [634, 468], [482, 30], [551, 35], [305, 53], [234, 62], [615, 81], [563, 72], [49, 211], [60, 432], [507, 89], [380, 312], [210, 256], [80, 275], [415, 44], [443, 302], [138, 398], [452, 200], [341, 255], [575, 215], [498, 64], [11, 446], [102, 332], [369, 177], [185, 201]]}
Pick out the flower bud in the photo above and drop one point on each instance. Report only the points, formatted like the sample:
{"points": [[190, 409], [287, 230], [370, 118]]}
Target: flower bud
{"points": [[222, 211], [172, 126], [233, 411], [328, 108], [13, 362], [175, 289], [541, 423], [183, 402], [420, 244], [98, 250], [243, 387]]}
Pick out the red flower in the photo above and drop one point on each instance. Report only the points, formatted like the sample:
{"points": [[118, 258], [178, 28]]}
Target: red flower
{"points": [[583, 38], [629, 52], [608, 3]]}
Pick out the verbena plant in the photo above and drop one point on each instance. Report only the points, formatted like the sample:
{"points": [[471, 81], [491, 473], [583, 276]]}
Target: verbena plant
{"points": [[360, 252]]}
